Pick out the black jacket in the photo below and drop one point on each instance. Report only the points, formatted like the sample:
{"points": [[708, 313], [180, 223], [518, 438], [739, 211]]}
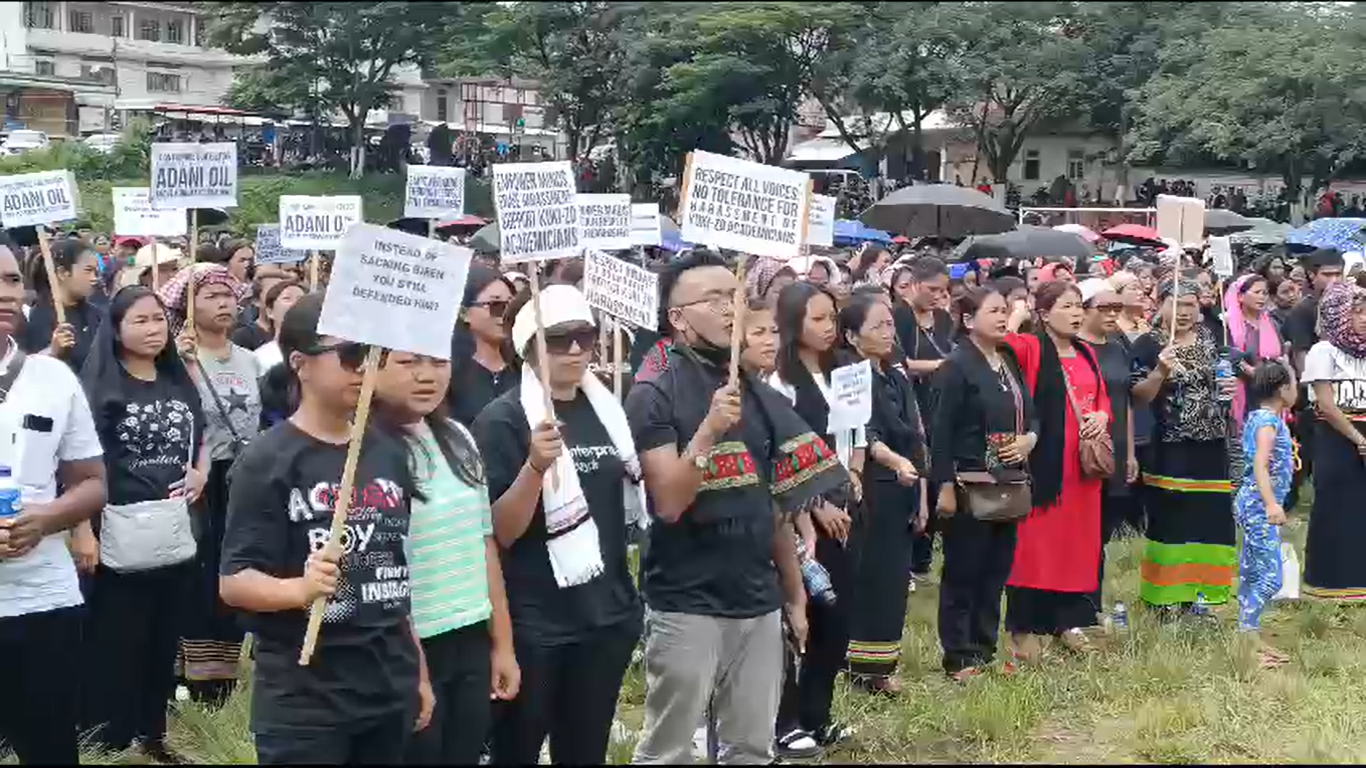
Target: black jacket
{"points": [[969, 403]]}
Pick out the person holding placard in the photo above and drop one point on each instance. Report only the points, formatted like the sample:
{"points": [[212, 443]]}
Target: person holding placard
{"points": [[77, 279], [483, 365], [148, 416], [725, 465], [806, 356], [227, 379], [576, 616], [365, 690], [895, 499]]}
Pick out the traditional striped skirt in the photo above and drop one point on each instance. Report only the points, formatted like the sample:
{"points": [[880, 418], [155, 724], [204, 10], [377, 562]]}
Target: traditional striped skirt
{"points": [[1191, 549], [880, 546]]}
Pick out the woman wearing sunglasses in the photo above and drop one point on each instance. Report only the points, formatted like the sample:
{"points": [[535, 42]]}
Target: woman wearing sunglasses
{"points": [[482, 363], [358, 699], [560, 484], [459, 606]]}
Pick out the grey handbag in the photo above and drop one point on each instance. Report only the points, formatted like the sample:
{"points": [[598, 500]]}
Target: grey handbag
{"points": [[147, 534]]}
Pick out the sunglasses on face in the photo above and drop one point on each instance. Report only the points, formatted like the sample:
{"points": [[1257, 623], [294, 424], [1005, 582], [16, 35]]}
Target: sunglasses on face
{"points": [[560, 343], [350, 354], [496, 308]]}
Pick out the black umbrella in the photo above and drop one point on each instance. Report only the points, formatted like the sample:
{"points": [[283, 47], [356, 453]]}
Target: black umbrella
{"points": [[1221, 221], [24, 237], [939, 210], [207, 217], [1026, 243]]}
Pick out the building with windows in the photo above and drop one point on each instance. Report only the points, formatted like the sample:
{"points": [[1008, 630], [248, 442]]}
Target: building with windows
{"points": [[494, 111], [72, 68]]}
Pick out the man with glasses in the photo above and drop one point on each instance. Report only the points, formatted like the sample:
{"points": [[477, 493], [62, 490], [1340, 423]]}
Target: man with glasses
{"points": [[722, 462]]}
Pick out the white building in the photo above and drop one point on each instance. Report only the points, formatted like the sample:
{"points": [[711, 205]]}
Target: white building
{"points": [[498, 109], [70, 67]]}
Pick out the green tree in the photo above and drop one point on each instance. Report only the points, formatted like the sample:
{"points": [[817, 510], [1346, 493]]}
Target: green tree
{"points": [[344, 54]]}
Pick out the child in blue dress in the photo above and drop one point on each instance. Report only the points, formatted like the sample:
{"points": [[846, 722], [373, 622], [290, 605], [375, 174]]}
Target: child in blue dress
{"points": [[1268, 461]]}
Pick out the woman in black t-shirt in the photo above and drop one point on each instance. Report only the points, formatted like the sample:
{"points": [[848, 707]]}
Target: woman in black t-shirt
{"points": [[356, 701], [77, 277], [482, 364], [149, 420], [575, 613]]}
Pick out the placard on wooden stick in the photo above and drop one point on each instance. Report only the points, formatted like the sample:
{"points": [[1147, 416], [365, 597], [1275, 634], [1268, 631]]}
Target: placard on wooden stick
{"points": [[134, 215], [188, 175], [744, 206], [434, 192], [317, 223], [605, 222], [391, 290], [1181, 219], [538, 211], [622, 290], [39, 200]]}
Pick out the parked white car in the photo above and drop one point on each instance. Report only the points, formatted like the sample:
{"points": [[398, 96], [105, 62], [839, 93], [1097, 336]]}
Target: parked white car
{"points": [[21, 141], [103, 143]]}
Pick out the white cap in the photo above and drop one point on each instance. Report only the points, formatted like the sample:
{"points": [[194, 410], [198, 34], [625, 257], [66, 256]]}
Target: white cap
{"points": [[1093, 287], [559, 304]]}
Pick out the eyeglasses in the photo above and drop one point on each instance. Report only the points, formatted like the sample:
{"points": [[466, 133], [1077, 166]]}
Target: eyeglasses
{"points": [[561, 342], [496, 308], [715, 301], [350, 354]]}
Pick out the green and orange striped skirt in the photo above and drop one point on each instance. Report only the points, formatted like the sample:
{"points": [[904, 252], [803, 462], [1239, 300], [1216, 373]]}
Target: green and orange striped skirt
{"points": [[1191, 549]]}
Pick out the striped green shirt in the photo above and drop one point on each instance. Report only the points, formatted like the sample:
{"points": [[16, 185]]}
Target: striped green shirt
{"points": [[446, 545]]}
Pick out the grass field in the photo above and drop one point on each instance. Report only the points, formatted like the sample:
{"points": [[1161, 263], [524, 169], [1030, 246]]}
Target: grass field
{"points": [[1158, 693]]}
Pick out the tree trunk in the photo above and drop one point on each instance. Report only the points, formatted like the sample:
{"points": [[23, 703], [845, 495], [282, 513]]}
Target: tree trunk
{"points": [[357, 147]]}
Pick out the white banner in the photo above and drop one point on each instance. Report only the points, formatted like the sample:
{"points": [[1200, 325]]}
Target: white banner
{"points": [[434, 192], [186, 175], [537, 211], [621, 289], [1221, 251], [605, 222], [821, 229], [1181, 219], [744, 206], [645, 224], [31, 199], [395, 290], [269, 250], [317, 223], [851, 396], [134, 215]]}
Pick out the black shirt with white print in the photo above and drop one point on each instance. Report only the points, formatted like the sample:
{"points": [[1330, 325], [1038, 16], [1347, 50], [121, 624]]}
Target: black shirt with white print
{"points": [[146, 434], [281, 494], [542, 612]]}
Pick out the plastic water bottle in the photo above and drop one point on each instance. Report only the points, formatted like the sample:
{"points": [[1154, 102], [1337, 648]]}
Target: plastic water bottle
{"points": [[1119, 618], [1201, 607], [815, 578], [1223, 369], [10, 502]]}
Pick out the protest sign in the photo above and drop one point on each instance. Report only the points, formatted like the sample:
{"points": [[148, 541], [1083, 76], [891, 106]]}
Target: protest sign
{"points": [[1181, 219], [1221, 251], [744, 206], [622, 290], [269, 250], [645, 224], [434, 192], [851, 396], [134, 215], [538, 211], [821, 230], [605, 222], [186, 175], [396, 290], [32, 199], [317, 223]]}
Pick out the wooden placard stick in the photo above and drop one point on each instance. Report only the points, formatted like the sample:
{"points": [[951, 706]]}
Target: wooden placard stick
{"points": [[58, 302], [737, 328], [343, 505], [189, 284], [618, 360], [542, 361], [313, 258], [156, 264]]}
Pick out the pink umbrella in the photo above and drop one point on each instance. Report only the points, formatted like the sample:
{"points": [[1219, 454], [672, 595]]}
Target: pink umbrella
{"points": [[1136, 234], [1086, 233]]}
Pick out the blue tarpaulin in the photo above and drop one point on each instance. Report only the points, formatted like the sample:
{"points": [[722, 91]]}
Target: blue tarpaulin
{"points": [[1342, 233], [848, 232]]}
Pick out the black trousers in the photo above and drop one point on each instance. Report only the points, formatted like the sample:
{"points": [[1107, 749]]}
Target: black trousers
{"points": [[41, 701], [569, 692], [135, 623], [977, 560], [1115, 511], [376, 742], [922, 545], [458, 665], [807, 695]]}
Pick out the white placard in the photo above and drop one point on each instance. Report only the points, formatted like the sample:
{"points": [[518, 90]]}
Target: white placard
{"points": [[851, 396], [395, 290], [821, 229], [31, 199], [605, 222], [269, 250], [1181, 219], [538, 212], [317, 223], [186, 175], [622, 290], [1221, 251], [134, 215], [745, 206], [434, 192], [645, 224]]}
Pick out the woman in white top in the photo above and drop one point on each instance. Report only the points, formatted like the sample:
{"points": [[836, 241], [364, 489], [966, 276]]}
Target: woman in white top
{"points": [[806, 355], [279, 298]]}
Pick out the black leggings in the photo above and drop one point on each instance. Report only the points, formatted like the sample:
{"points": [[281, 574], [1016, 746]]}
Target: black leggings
{"points": [[569, 692], [807, 696], [39, 707], [459, 667]]}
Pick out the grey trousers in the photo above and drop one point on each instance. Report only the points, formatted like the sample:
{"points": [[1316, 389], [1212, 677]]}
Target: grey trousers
{"points": [[734, 665]]}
